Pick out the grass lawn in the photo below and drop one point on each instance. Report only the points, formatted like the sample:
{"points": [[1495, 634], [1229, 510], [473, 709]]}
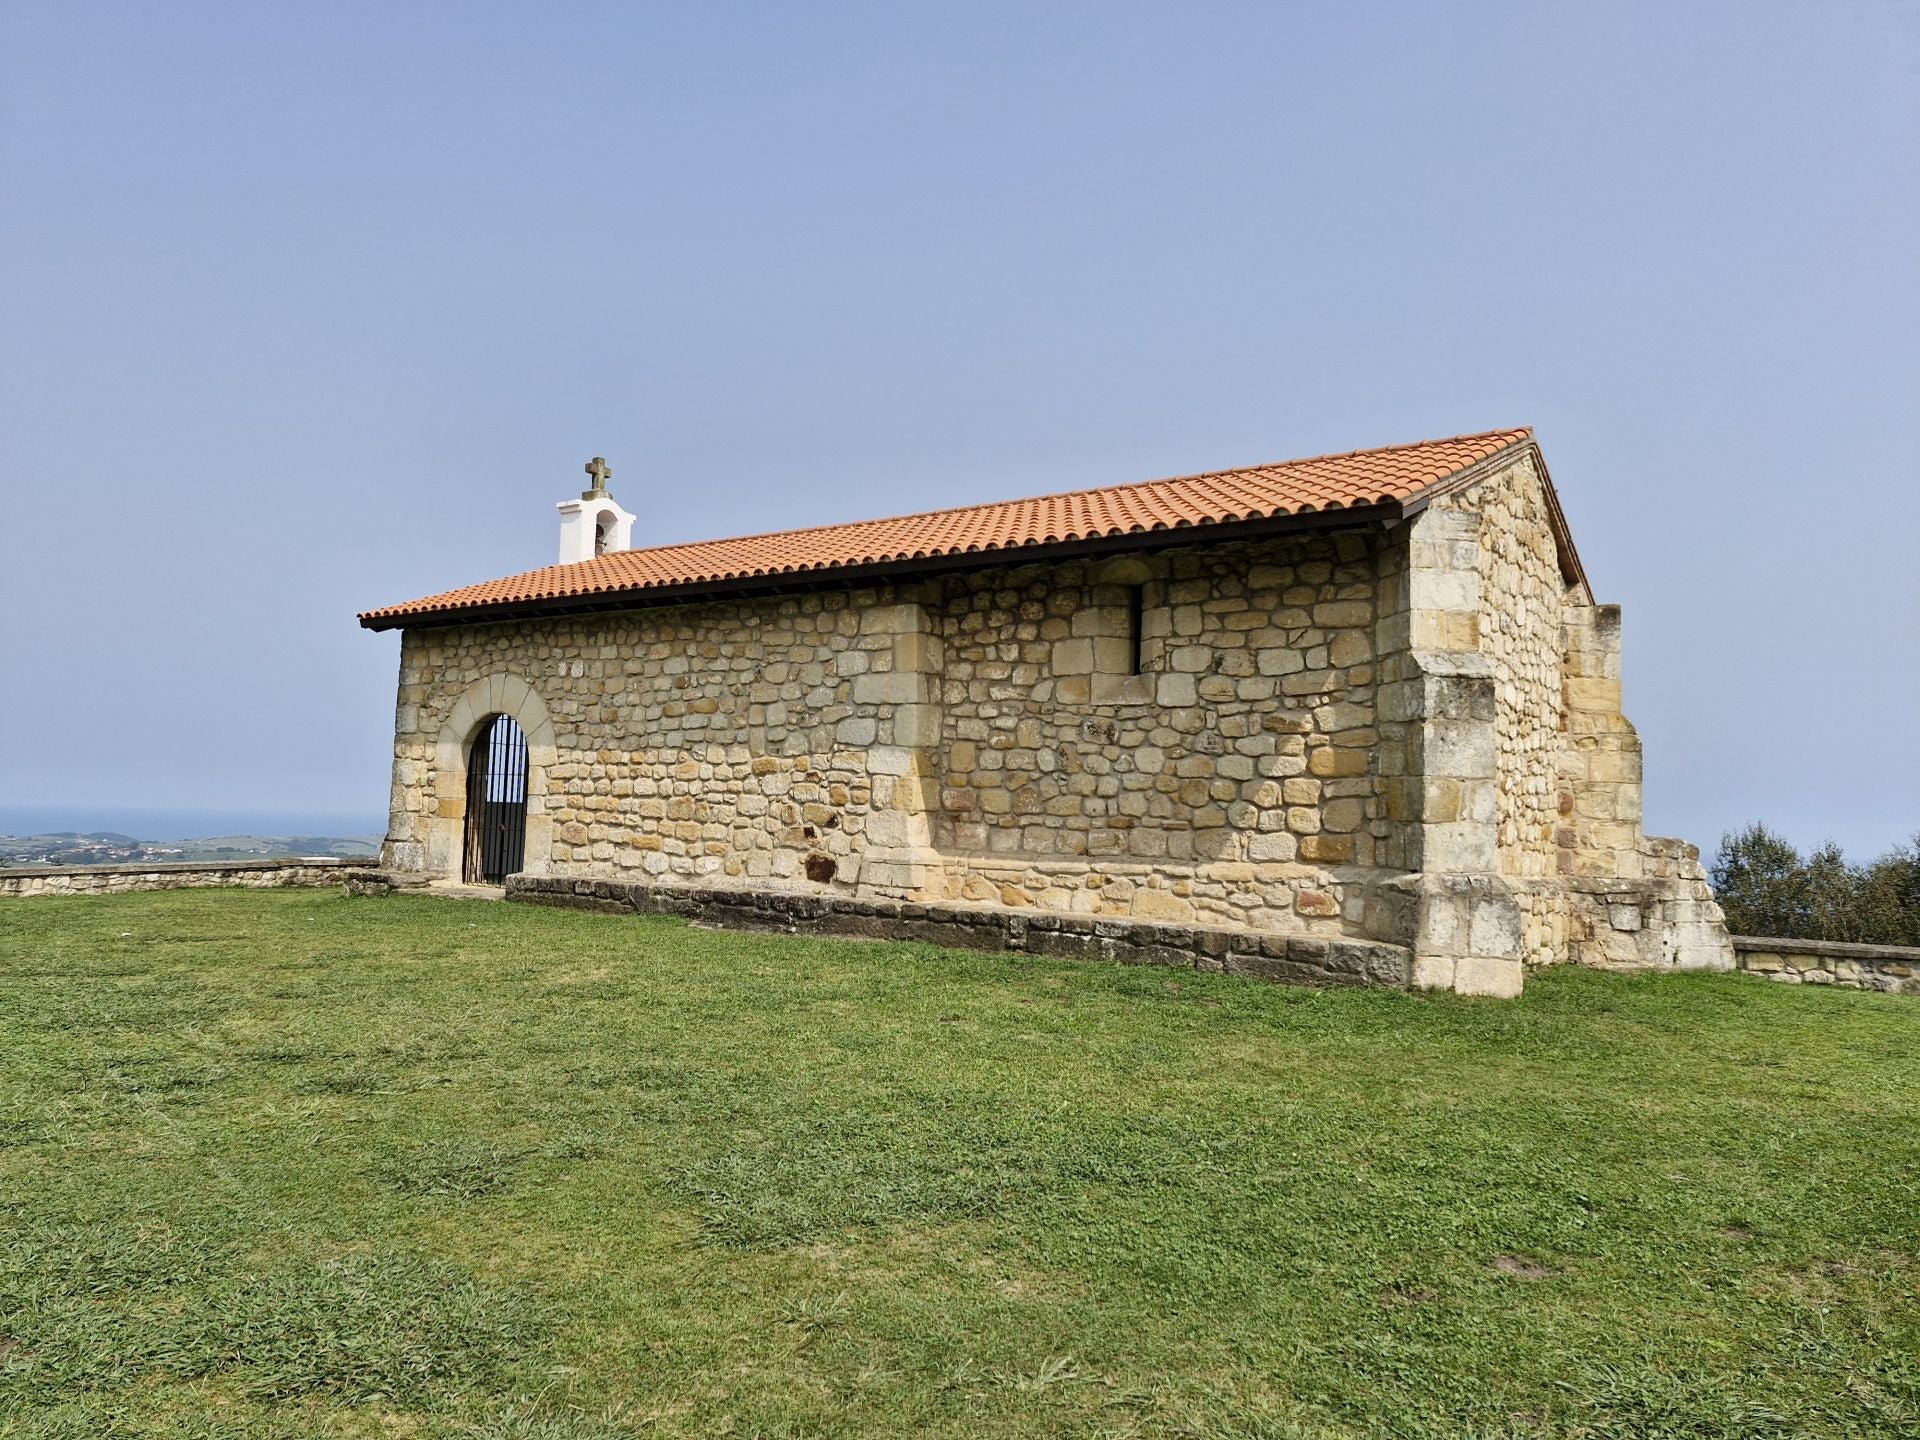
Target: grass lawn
{"points": [[291, 1164]]}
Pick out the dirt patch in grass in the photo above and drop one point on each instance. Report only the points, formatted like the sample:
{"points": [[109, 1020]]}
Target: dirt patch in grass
{"points": [[1521, 1268]]}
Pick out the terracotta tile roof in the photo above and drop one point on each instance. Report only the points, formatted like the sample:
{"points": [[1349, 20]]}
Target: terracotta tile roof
{"points": [[1388, 476]]}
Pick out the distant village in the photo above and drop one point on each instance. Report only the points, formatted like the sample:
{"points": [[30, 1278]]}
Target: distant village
{"points": [[106, 847]]}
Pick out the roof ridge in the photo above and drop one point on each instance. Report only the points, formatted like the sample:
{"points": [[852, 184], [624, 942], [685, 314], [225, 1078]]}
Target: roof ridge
{"points": [[1517, 431]]}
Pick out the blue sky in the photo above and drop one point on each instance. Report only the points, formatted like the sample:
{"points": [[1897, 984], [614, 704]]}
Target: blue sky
{"points": [[313, 308]]}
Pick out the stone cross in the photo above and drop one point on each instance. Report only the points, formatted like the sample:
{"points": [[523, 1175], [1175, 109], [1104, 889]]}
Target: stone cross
{"points": [[601, 473]]}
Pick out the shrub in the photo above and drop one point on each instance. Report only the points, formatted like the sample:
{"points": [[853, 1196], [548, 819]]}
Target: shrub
{"points": [[1767, 888]]}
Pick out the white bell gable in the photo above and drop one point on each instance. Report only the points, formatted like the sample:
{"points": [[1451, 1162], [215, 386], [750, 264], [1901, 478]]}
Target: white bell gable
{"points": [[594, 524]]}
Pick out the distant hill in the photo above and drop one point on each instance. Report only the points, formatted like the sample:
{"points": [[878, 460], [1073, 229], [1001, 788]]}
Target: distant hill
{"points": [[107, 847]]}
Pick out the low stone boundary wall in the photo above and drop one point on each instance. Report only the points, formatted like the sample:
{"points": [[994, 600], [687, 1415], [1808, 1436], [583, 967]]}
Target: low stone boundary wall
{"points": [[26, 880], [1892, 968], [1299, 959]]}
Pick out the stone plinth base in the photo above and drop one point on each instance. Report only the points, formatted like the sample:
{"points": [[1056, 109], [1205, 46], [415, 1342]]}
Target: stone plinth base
{"points": [[1297, 959]]}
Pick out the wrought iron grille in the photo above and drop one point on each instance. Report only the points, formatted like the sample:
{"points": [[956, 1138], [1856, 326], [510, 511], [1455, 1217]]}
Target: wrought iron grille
{"points": [[496, 802]]}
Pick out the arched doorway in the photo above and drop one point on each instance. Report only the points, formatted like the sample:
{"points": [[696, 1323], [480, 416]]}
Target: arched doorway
{"points": [[496, 843], [469, 721]]}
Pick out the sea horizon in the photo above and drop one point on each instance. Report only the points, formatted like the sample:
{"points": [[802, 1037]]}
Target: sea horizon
{"points": [[165, 823]]}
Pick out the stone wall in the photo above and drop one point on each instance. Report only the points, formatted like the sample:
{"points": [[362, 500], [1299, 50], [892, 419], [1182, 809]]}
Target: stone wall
{"points": [[1598, 832], [1439, 763], [1507, 763], [1228, 781], [29, 880], [978, 737], [1235, 950], [1626, 899], [1522, 597], [702, 741], [1894, 969], [1519, 597]]}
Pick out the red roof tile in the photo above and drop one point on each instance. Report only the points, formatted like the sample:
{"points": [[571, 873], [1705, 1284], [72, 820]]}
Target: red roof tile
{"points": [[1328, 482]]}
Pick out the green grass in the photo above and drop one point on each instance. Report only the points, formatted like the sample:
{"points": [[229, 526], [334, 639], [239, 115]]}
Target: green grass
{"points": [[289, 1164]]}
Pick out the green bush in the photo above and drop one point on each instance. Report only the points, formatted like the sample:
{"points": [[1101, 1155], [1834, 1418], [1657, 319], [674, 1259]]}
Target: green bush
{"points": [[1767, 888]]}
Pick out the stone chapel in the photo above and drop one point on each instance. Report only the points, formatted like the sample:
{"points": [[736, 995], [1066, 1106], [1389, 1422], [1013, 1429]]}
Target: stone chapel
{"points": [[1350, 717]]}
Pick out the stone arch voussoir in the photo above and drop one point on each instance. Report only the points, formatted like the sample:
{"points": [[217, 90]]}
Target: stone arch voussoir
{"points": [[502, 693]]}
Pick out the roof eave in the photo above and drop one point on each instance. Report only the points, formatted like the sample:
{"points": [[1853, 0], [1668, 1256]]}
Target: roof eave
{"points": [[842, 577]]}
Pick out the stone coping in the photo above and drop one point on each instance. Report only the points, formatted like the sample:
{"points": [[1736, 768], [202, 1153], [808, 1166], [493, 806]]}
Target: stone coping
{"points": [[1891, 969], [174, 867], [1267, 955], [1835, 949]]}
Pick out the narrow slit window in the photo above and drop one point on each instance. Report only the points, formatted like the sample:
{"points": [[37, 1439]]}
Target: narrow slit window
{"points": [[1135, 606]]}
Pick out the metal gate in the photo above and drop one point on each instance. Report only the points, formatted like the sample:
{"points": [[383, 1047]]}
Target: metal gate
{"points": [[496, 802]]}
